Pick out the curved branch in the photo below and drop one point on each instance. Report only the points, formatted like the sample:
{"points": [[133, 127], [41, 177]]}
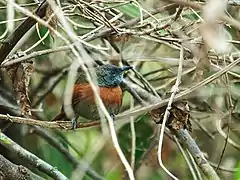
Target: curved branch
{"points": [[186, 139]]}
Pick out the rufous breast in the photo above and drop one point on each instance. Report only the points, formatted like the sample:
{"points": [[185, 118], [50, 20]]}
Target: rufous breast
{"points": [[84, 105]]}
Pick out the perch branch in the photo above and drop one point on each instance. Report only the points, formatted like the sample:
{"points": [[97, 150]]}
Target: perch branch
{"points": [[155, 104]]}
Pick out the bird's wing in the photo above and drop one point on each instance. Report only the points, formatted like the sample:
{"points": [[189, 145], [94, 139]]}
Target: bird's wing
{"points": [[82, 92], [111, 96]]}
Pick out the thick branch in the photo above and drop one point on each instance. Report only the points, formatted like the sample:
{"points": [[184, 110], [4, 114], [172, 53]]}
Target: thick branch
{"points": [[9, 171], [31, 158], [188, 141], [201, 161], [76, 163]]}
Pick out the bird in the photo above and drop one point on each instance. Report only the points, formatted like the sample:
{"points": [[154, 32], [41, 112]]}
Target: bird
{"points": [[109, 77]]}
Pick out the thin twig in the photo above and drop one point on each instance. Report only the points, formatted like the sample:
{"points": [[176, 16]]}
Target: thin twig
{"points": [[10, 15], [14, 37], [182, 94], [224, 135], [201, 161], [67, 99], [167, 112], [186, 139], [226, 169], [230, 109], [87, 38], [57, 80], [9, 62], [195, 166], [186, 158], [133, 142], [194, 5], [64, 125], [203, 128], [130, 23], [76, 163]]}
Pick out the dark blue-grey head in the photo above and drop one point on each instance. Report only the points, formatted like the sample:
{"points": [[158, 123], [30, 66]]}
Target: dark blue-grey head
{"points": [[109, 75]]}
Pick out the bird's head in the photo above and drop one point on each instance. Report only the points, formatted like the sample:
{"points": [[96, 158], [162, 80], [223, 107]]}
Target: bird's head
{"points": [[110, 75]]}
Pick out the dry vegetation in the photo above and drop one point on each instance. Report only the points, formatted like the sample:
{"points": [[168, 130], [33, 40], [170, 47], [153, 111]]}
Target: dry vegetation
{"points": [[185, 80]]}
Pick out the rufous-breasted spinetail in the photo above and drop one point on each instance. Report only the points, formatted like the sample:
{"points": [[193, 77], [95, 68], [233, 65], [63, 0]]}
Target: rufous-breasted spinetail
{"points": [[109, 77]]}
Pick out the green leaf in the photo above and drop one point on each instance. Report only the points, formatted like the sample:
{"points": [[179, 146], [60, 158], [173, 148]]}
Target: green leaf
{"points": [[156, 176], [193, 16], [113, 175], [56, 159], [144, 134], [236, 175], [130, 10], [42, 31]]}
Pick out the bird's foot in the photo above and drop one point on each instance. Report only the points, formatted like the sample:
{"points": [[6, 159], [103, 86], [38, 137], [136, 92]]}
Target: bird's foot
{"points": [[113, 117], [74, 122]]}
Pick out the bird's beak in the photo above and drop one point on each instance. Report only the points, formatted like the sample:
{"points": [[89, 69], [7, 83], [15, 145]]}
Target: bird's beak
{"points": [[126, 68]]}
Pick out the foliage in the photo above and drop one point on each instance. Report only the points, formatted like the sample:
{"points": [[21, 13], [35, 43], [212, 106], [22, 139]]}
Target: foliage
{"points": [[124, 32]]}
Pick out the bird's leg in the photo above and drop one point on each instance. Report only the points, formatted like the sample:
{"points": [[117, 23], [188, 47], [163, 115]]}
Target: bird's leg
{"points": [[113, 117], [74, 122]]}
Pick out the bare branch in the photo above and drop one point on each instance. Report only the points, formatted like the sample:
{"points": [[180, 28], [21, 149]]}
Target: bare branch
{"points": [[76, 163], [18, 33], [9, 171], [31, 158]]}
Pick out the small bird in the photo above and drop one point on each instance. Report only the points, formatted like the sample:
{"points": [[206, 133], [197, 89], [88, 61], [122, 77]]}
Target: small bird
{"points": [[109, 77]]}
